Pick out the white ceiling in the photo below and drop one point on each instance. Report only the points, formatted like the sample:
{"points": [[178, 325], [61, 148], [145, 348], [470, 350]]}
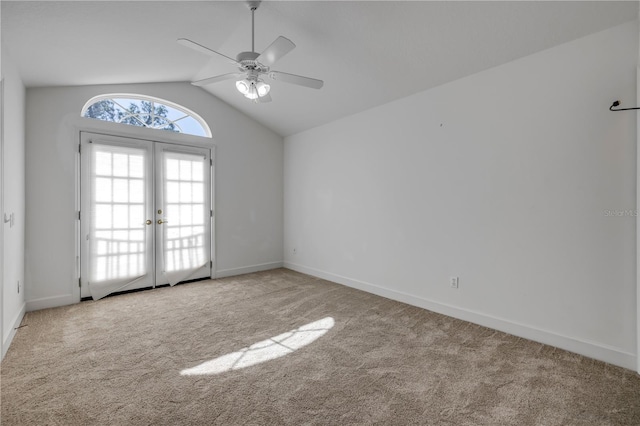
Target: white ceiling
{"points": [[368, 53]]}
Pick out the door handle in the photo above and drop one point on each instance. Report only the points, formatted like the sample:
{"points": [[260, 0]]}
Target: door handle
{"points": [[160, 221], [149, 222]]}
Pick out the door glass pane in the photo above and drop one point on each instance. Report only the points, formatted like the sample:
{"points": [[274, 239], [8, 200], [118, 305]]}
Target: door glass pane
{"points": [[117, 229], [183, 192]]}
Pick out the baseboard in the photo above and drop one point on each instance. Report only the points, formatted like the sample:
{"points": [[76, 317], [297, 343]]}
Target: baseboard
{"points": [[14, 327], [589, 349], [69, 299], [248, 269], [51, 302]]}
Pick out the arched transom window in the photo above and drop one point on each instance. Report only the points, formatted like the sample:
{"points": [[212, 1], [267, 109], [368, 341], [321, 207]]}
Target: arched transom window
{"points": [[145, 111]]}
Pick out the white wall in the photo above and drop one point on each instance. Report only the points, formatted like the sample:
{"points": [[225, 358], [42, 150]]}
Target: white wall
{"points": [[248, 185], [13, 194], [502, 178], [638, 208]]}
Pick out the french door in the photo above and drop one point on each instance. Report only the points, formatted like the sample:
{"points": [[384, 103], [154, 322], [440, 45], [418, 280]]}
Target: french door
{"points": [[146, 214]]}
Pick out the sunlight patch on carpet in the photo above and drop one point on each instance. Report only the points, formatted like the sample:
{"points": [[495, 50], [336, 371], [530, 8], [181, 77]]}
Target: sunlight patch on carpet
{"points": [[266, 350]]}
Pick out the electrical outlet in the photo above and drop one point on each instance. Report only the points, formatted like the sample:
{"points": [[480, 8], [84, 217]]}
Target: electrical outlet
{"points": [[453, 282]]}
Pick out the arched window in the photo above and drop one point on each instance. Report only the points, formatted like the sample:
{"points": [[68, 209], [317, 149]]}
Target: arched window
{"points": [[145, 111]]}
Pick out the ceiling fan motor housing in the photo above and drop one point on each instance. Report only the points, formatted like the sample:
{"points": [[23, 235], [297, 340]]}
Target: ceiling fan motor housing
{"points": [[248, 62]]}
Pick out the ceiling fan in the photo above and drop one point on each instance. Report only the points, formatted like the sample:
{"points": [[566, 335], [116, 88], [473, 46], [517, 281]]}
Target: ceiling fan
{"points": [[253, 66]]}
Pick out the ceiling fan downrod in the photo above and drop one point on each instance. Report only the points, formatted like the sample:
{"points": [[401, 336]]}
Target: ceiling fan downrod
{"points": [[253, 5]]}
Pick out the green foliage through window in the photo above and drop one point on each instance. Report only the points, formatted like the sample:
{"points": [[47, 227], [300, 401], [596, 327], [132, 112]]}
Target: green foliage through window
{"points": [[144, 112]]}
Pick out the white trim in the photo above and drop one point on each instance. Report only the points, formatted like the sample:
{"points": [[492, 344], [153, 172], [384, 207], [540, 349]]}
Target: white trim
{"points": [[82, 124], [14, 327], [637, 366], [212, 191], [51, 302], [590, 349], [2, 346], [248, 269]]}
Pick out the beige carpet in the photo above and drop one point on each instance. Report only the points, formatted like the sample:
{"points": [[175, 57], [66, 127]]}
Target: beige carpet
{"points": [[178, 356]]}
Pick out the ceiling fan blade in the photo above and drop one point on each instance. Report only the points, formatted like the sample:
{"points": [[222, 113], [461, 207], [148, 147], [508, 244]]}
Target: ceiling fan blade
{"points": [[296, 79], [265, 98], [218, 78], [202, 49], [276, 50]]}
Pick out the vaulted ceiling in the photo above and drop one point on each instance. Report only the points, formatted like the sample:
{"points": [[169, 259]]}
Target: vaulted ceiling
{"points": [[368, 53]]}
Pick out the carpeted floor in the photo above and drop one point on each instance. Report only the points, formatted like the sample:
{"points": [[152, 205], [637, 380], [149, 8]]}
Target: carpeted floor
{"points": [[218, 353]]}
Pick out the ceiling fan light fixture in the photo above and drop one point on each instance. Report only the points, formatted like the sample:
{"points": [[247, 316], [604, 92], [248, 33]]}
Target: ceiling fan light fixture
{"points": [[252, 89], [253, 92], [263, 88], [243, 86]]}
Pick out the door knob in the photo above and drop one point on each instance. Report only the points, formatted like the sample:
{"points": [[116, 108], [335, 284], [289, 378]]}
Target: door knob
{"points": [[149, 221], [160, 221]]}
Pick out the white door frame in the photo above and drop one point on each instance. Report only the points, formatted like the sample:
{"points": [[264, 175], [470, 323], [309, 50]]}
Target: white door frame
{"points": [[126, 131], [2, 218], [638, 224]]}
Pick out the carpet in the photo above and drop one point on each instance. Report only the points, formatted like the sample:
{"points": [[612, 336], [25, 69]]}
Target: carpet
{"points": [[283, 348]]}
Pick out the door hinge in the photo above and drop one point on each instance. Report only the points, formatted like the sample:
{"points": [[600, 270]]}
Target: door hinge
{"points": [[79, 282], [211, 264], [210, 213], [211, 161], [78, 214], [80, 149]]}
